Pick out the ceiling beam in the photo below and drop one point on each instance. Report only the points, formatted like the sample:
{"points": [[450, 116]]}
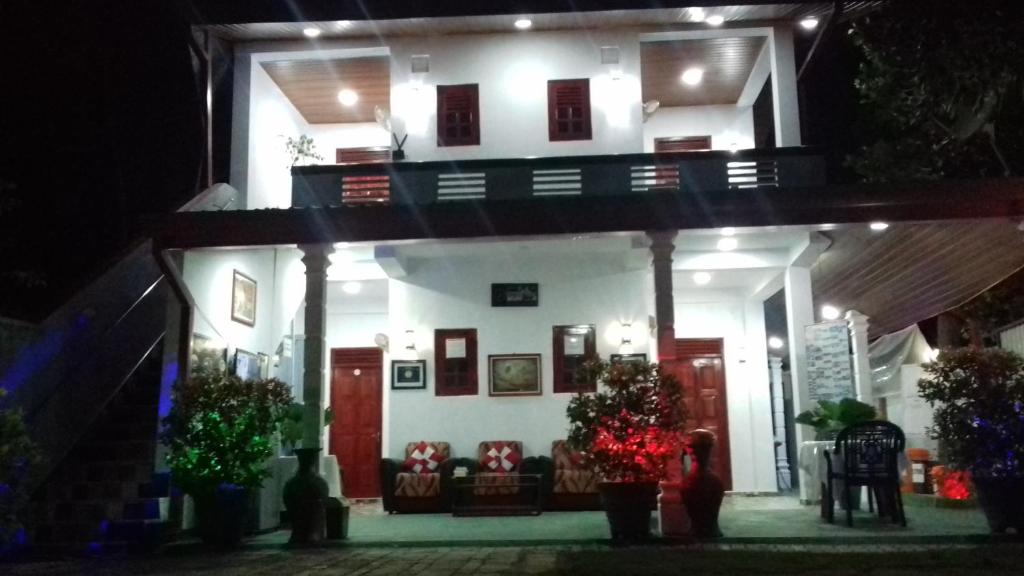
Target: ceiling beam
{"points": [[758, 76], [390, 261]]}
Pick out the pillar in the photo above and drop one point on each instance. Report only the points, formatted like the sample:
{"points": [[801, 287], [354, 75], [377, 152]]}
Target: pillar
{"points": [[315, 258], [664, 308], [785, 97], [799, 315], [779, 421], [858, 324]]}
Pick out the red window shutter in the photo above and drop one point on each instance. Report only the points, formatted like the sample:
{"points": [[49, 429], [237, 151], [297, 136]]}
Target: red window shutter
{"points": [[569, 110], [458, 115], [366, 155]]}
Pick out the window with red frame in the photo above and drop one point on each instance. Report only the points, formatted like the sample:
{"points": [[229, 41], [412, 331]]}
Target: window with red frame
{"points": [[455, 370], [458, 115], [572, 347], [569, 110]]}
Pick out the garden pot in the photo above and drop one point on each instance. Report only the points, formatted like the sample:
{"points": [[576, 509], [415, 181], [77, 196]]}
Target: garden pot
{"points": [[628, 508], [305, 496], [221, 515], [1002, 499]]}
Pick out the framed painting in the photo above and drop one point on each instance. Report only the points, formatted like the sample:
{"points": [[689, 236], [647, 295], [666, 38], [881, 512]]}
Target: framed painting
{"points": [[637, 358], [514, 375], [247, 365], [408, 374], [207, 356], [515, 295], [243, 299], [264, 363]]}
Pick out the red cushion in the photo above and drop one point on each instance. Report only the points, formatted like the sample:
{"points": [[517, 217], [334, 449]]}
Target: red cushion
{"points": [[423, 460], [501, 458]]}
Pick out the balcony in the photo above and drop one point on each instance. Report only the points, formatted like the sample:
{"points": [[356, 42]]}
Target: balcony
{"points": [[684, 173]]}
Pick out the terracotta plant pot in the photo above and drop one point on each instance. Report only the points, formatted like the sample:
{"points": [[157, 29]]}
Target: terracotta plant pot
{"points": [[1002, 499], [628, 508], [221, 516]]}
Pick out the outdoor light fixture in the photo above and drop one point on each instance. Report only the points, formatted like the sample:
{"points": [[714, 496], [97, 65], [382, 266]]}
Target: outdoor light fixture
{"points": [[728, 231], [715, 20], [775, 342], [410, 340], [627, 334], [351, 287], [879, 226], [829, 312], [809, 23], [523, 24], [701, 278], [692, 76], [348, 97], [728, 243], [311, 32]]}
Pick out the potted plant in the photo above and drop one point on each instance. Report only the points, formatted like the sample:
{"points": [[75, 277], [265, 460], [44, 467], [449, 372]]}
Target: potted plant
{"points": [[629, 433], [17, 456], [301, 151], [978, 397], [828, 418], [219, 435]]}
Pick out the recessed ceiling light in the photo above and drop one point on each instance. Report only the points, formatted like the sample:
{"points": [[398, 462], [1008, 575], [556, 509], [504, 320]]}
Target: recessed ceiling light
{"points": [[728, 243], [351, 287], [692, 76], [311, 32], [728, 231], [348, 97], [715, 20], [829, 312], [701, 278], [523, 24], [809, 23], [879, 226], [697, 14], [775, 342]]}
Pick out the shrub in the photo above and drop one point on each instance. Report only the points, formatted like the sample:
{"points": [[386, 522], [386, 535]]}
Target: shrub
{"points": [[220, 428], [978, 396], [17, 456], [631, 430]]}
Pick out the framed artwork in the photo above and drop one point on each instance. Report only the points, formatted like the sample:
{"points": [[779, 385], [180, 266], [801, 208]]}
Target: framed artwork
{"points": [[514, 375], [206, 357], [638, 358], [247, 365], [264, 364], [408, 374], [455, 371], [243, 299], [515, 295], [572, 346]]}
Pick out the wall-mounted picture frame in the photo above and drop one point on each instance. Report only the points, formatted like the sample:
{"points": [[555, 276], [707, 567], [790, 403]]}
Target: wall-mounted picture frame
{"points": [[515, 295], [408, 374], [207, 356], [243, 299], [264, 363], [247, 365], [627, 358], [514, 375]]}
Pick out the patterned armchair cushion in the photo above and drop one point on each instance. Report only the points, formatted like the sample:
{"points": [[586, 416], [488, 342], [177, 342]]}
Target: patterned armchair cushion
{"points": [[570, 475], [500, 457], [417, 485], [425, 457], [565, 458], [496, 483]]}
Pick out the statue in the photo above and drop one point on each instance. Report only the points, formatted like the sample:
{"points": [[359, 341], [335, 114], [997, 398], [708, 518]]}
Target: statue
{"points": [[702, 488]]}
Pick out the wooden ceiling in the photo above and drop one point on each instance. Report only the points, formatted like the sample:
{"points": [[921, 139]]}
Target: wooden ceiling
{"points": [[313, 86], [726, 62], [912, 272]]}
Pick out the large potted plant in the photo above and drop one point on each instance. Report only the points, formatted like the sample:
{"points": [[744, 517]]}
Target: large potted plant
{"points": [[828, 418], [978, 397], [17, 456], [219, 434], [629, 432]]}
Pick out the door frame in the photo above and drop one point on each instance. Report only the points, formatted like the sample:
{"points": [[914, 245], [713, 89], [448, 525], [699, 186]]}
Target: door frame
{"points": [[359, 356], [715, 349]]}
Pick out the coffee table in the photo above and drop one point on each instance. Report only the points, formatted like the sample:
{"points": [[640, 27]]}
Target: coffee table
{"points": [[515, 495]]}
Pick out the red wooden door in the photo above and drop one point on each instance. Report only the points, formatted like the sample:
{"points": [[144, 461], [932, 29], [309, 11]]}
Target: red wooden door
{"points": [[356, 376], [700, 368]]}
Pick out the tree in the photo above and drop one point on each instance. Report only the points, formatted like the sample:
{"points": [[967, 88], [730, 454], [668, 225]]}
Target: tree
{"points": [[942, 90]]}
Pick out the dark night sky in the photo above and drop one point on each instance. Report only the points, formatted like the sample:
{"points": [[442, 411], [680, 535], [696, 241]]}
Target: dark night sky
{"points": [[100, 125]]}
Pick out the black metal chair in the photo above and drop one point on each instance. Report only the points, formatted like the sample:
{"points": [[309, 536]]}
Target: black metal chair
{"points": [[868, 453]]}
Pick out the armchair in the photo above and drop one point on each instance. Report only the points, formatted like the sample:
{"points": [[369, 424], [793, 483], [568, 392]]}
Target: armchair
{"points": [[568, 484], [421, 482]]}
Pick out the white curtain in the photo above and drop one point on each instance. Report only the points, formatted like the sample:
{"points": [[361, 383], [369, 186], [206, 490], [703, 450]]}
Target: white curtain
{"points": [[890, 352]]}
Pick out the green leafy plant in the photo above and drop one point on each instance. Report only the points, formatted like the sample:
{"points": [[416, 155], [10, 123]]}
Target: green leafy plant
{"points": [[219, 430], [978, 396], [631, 430], [828, 418], [291, 426], [301, 150], [18, 455]]}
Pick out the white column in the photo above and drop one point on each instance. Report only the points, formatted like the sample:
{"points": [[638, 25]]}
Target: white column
{"points": [[315, 258], [785, 98], [799, 315], [779, 421], [858, 324]]}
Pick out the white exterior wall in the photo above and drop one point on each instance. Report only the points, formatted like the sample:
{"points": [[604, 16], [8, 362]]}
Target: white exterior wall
{"points": [[273, 120], [730, 127]]}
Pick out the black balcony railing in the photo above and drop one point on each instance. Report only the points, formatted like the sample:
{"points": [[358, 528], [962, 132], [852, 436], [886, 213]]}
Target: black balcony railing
{"points": [[410, 182]]}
